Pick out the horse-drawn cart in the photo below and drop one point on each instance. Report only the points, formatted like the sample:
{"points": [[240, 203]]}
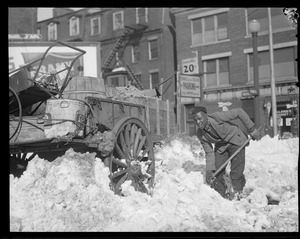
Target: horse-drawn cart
{"points": [[115, 129]]}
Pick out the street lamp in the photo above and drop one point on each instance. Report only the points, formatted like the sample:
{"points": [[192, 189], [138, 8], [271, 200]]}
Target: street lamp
{"points": [[254, 28]]}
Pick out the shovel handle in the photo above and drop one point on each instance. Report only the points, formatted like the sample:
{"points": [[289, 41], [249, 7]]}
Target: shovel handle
{"points": [[233, 155]]}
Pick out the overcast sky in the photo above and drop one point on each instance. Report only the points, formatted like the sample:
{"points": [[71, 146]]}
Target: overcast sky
{"points": [[45, 13]]}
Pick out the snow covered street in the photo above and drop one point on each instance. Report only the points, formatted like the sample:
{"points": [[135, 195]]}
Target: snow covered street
{"points": [[72, 193]]}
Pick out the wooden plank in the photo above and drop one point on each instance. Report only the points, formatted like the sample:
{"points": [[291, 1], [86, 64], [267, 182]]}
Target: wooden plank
{"points": [[163, 105], [157, 117], [148, 117], [152, 103], [168, 117]]}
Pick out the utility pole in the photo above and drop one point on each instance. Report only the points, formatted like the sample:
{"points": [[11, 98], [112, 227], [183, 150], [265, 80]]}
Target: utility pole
{"points": [[254, 27], [273, 86], [178, 96]]}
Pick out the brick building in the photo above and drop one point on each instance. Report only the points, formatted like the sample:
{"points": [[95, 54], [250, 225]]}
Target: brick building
{"points": [[141, 38], [22, 20], [222, 40]]}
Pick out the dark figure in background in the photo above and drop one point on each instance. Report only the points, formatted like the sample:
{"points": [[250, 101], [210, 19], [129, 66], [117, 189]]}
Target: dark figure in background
{"points": [[227, 130]]}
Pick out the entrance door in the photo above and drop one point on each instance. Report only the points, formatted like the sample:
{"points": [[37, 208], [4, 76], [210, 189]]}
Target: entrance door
{"points": [[248, 107], [190, 123]]}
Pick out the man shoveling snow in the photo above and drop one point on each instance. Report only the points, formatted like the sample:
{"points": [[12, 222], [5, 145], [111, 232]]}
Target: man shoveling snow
{"points": [[228, 131]]}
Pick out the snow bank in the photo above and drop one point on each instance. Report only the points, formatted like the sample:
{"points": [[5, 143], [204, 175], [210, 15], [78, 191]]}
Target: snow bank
{"points": [[69, 194], [72, 193]]}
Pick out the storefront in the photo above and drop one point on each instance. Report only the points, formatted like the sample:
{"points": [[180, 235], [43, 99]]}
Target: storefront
{"points": [[211, 107], [287, 114]]}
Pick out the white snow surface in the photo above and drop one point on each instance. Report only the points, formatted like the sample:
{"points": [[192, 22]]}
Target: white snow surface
{"points": [[72, 193]]}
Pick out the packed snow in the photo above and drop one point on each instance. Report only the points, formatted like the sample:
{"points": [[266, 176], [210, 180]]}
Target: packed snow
{"points": [[72, 193]]}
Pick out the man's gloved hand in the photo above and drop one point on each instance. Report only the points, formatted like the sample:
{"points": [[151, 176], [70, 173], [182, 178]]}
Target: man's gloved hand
{"points": [[209, 177], [255, 135]]}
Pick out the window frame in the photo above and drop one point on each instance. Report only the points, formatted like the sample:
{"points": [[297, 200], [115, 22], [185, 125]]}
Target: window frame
{"points": [[150, 78], [134, 59], [202, 18], [92, 27], [54, 25], [114, 20], [149, 49], [267, 49], [137, 18], [72, 21], [217, 62]]}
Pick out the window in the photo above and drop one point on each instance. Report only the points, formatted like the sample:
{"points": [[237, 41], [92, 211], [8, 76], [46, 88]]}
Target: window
{"points": [[197, 31], [135, 53], [118, 20], [209, 29], [222, 26], [153, 49], [95, 26], [284, 63], [279, 21], [217, 72], [141, 15], [114, 81], [74, 26], [52, 31], [154, 80]]}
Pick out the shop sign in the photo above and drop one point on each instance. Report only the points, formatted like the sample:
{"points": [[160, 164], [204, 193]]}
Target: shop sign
{"points": [[190, 86], [224, 105]]}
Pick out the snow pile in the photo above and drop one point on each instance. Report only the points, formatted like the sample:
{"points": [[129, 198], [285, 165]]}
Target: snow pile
{"points": [[72, 193], [180, 151], [131, 94], [69, 194], [273, 164]]}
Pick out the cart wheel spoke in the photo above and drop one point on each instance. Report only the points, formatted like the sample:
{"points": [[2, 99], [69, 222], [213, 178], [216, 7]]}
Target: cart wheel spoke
{"points": [[124, 146], [32, 156], [119, 173], [132, 134], [127, 139], [137, 140], [140, 146], [24, 156], [120, 152], [119, 163], [117, 187], [134, 144]]}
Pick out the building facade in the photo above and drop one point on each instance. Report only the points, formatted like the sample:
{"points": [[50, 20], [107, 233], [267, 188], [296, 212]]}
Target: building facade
{"points": [[22, 20], [221, 39], [140, 39]]}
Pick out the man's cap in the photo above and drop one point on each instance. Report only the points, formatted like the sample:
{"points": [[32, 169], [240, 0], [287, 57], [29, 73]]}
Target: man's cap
{"points": [[199, 109]]}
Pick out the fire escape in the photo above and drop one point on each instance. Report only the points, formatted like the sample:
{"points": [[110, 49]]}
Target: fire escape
{"points": [[119, 45]]}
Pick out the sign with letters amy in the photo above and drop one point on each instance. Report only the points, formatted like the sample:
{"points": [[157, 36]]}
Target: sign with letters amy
{"points": [[190, 86]]}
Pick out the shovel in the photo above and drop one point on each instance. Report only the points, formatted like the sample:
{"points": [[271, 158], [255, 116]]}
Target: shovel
{"points": [[231, 157], [227, 177]]}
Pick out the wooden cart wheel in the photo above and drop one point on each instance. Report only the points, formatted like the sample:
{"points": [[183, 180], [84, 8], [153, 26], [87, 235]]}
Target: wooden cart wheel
{"points": [[19, 162], [132, 157], [15, 113]]}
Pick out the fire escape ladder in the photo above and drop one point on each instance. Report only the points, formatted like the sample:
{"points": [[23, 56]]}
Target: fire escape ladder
{"points": [[133, 78], [119, 43]]}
